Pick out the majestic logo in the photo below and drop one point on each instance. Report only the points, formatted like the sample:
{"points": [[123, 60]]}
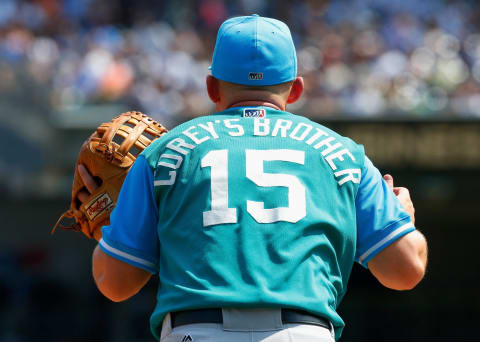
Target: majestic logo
{"points": [[255, 76], [98, 205], [187, 338], [254, 113]]}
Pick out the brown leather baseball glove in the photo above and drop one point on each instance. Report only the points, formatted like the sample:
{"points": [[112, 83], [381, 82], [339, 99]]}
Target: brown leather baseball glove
{"points": [[108, 154]]}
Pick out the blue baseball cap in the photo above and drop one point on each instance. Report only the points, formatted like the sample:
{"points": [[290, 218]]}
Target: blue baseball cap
{"points": [[254, 51]]}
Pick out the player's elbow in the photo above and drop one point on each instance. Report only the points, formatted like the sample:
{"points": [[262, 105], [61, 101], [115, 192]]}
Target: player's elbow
{"points": [[116, 279], [415, 275], [114, 290], [401, 266], [407, 277], [116, 296], [412, 270]]}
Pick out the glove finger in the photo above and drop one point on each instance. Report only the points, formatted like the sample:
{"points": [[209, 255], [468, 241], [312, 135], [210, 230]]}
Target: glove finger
{"points": [[83, 196], [87, 179]]}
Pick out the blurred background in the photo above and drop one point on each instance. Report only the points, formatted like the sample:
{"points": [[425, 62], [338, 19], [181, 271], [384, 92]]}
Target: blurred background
{"points": [[401, 77]]}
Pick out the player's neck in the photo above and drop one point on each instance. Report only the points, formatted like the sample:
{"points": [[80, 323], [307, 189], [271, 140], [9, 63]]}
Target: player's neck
{"points": [[256, 103]]}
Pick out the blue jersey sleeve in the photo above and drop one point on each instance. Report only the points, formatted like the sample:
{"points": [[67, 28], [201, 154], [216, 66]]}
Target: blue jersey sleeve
{"points": [[132, 234], [381, 219]]}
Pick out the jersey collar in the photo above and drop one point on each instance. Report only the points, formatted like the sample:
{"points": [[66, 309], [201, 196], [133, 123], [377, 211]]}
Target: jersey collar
{"points": [[250, 111]]}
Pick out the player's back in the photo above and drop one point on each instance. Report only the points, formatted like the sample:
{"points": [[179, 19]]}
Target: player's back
{"points": [[256, 206]]}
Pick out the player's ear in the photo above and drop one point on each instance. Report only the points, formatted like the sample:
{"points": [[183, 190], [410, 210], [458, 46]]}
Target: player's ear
{"points": [[296, 91], [213, 88]]}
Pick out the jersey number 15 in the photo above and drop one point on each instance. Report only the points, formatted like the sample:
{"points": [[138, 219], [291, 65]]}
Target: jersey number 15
{"points": [[220, 213]]}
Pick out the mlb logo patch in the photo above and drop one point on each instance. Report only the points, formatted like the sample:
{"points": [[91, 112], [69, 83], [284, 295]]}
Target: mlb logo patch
{"points": [[254, 113], [255, 76]]}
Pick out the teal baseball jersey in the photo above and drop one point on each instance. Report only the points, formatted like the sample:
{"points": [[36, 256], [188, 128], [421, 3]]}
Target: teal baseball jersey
{"points": [[252, 207]]}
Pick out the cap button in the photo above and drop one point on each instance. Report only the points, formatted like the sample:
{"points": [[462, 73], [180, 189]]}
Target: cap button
{"points": [[255, 15]]}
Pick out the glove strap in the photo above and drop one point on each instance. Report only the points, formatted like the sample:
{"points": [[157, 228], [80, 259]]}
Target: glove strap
{"points": [[68, 214]]}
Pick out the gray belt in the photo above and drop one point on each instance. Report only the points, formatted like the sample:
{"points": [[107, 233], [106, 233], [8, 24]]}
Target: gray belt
{"points": [[289, 316]]}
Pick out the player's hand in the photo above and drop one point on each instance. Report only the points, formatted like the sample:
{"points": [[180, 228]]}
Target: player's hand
{"points": [[89, 182], [403, 196]]}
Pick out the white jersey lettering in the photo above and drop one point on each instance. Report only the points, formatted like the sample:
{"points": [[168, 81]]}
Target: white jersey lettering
{"points": [[193, 135], [261, 127]]}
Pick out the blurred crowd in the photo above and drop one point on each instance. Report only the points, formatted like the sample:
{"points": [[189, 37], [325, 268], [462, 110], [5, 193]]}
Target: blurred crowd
{"points": [[360, 58]]}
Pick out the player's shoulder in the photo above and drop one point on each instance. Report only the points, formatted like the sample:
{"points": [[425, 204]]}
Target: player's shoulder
{"points": [[153, 151], [346, 141]]}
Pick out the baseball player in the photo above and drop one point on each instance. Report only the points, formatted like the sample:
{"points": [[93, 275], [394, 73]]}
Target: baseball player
{"points": [[252, 217]]}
